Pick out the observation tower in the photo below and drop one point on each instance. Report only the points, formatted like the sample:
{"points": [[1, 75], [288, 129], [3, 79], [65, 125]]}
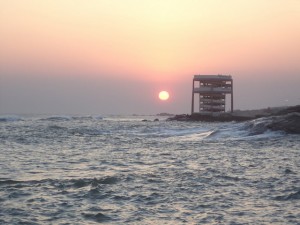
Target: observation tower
{"points": [[211, 91]]}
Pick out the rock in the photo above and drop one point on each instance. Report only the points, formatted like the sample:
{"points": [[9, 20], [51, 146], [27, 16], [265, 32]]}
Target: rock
{"points": [[181, 117], [289, 123], [164, 114], [284, 118], [290, 109]]}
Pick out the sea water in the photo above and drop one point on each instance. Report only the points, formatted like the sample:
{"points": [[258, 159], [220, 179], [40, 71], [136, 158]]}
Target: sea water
{"points": [[123, 170]]}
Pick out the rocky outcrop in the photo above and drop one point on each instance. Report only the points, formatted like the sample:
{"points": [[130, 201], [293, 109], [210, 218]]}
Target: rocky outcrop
{"points": [[225, 117], [284, 119], [287, 110], [289, 123]]}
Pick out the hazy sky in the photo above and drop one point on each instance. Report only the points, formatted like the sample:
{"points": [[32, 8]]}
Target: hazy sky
{"points": [[114, 56]]}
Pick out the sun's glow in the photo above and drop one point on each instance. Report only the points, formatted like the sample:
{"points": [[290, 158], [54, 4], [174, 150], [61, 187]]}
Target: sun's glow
{"points": [[163, 95]]}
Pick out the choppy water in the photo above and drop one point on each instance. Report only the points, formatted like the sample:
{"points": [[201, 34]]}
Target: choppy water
{"points": [[120, 170]]}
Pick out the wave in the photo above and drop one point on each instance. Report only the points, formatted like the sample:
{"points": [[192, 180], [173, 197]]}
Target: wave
{"points": [[162, 132], [66, 183], [87, 117], [291, 196], [57, 118], [256, 129], [183, 132], [258, 126], [265, 127], [69, 118], [10, 118], [244, 132], [98, 117], [196, 136], [289, 123], [97, 217]]}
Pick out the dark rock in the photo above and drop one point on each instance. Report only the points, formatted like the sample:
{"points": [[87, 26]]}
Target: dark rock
{"points": [[290, 109], [181, 117], [226, 117], [286, 119], [289, 123], [164, 114]]}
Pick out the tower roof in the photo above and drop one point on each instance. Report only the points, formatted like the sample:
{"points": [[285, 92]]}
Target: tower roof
{"points": [[212, 77]]}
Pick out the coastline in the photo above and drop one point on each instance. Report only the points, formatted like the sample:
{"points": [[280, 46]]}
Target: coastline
{"points": [[278, 118]]}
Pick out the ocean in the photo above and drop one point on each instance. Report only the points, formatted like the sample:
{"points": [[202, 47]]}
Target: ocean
{"points": [[124, 170]]}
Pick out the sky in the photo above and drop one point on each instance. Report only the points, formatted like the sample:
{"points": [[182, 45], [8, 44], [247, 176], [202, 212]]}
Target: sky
{"points": [[113, 57]]}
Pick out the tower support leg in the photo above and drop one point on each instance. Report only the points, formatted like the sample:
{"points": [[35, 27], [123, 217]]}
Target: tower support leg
{"points": [[192, 110]]}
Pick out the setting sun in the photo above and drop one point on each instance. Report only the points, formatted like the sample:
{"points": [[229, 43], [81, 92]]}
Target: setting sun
{"points": [[163, 95]]}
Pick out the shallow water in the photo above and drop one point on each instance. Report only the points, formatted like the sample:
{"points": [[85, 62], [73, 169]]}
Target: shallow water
{"points": [[120, 170]]}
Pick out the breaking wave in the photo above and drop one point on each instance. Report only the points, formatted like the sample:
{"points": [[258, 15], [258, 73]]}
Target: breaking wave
{"points": [[229, 131]]}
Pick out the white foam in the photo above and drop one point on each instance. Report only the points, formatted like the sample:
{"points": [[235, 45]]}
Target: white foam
{"points": [[241, 131], [183, 132]]}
